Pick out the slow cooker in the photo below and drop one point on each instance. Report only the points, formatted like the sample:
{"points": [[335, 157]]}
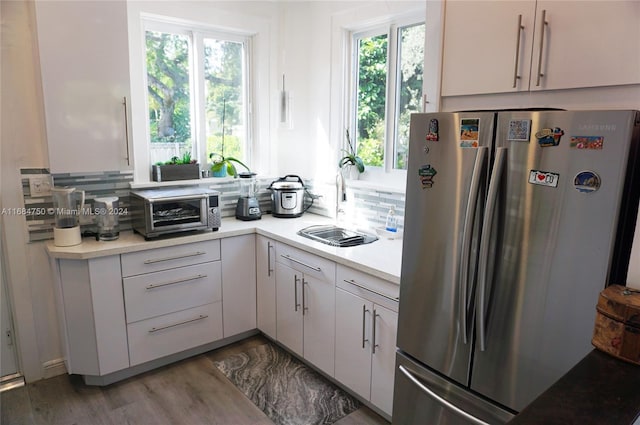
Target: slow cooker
{"points": [[287, 197]]}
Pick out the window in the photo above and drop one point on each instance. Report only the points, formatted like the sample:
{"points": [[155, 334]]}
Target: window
{"points": [[387, 73], [197, 93]]}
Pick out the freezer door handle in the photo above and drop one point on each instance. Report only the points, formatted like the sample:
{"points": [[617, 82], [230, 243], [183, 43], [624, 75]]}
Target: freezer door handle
{"points": [[467, 233], [439, 399], [487, 223]]}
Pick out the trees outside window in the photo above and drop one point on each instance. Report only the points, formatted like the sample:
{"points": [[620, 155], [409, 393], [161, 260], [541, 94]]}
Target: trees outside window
{"points": [[388, 68], [197, 89]]}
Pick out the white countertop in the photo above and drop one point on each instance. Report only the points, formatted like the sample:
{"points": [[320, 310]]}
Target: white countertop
{"points": [[381, 258]]}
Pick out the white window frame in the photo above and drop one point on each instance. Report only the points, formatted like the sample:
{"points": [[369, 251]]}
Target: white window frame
{"points": [[197, 34], [390, 27]]}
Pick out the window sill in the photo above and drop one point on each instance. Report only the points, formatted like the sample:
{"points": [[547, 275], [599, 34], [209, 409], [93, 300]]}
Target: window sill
{"points": [[204, 181]]}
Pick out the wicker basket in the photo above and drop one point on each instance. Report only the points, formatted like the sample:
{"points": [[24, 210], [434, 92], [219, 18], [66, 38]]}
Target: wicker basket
{"points": [[617, 327]]}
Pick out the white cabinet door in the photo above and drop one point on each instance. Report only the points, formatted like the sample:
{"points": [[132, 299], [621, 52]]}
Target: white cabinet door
{"points": [[289, 325], [557, 45], [593, 43], [94, 315], [353, 343], [383, 358], [318, 310], [84, 58], [266, 285], [238, 284], [485, 50]]}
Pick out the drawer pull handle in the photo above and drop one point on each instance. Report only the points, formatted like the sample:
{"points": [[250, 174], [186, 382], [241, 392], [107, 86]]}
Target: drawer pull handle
{"points": [[202, 316], [288, 257], [373, 337], [269, 269], [173, 282], [364, 321], [353, 282], [176, 257]]}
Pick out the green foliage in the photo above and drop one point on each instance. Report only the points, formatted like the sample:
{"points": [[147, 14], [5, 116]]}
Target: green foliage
{"points": [[168, 87], [372, 79], [176, 160], [371, 96]]}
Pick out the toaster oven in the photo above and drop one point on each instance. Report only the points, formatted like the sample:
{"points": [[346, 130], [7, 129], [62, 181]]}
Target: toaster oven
{"points": [[158, 212]]}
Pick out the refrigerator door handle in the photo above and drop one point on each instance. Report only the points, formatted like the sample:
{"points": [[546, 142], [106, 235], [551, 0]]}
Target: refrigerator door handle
{"points": [[467, 233], [487, 223], [441, 400]]}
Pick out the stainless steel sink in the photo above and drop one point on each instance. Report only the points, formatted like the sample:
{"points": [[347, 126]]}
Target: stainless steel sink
{"points": [[337, 236]]}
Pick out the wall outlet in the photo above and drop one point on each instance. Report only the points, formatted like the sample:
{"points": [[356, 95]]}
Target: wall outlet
{"points": [[40, 185]]}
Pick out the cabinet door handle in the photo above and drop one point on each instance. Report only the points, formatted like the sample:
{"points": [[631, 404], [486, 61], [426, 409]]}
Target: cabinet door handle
{"points": [[173, 282], [201, 317], [302, 263], [354, 283], [543, 27], [175, 257], [364, 321], [304, 302], [516, 77], [269, 269], [126, 129], [373, 336], [295, 293]]}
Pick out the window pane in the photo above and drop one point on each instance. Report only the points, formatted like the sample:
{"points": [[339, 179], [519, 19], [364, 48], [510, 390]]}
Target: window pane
{"points": [[225, 105], [371, 93], [168, 80], [409, 97]]}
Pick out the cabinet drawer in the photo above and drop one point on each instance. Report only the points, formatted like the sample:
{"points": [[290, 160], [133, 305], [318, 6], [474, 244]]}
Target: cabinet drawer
{"points": [[373, 288], [154, 260], [309, 264], [153, 294], [175, 332]]}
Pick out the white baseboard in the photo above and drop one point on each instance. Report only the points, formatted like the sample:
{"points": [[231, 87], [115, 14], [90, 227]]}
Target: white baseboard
{"points": [[53, 368]]}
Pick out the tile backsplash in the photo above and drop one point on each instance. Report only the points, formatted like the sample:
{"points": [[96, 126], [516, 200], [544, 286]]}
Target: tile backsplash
{"points": [[95, 185], [365, 206]]}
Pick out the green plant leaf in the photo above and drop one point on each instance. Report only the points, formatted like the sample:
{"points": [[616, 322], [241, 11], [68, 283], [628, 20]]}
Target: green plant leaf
{"points": [[231, 169], [229, 158], [359, 163], [216, 167]]}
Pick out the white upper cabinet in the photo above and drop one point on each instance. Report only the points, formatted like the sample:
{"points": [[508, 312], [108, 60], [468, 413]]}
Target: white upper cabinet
{"points": [[593, 43], [509, 46], [485, 50], [84, 59]]}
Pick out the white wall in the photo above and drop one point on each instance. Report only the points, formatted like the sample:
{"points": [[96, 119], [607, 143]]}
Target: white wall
{"points": [[23, 144]]}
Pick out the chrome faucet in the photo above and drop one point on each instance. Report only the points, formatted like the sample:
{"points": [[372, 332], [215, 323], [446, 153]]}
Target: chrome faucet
{"points": [[341, 194]]}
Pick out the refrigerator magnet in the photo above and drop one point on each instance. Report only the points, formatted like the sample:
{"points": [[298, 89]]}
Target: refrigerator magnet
{"points": [[549, 136], [586, 181], [426, 173], [519, 130], [544, 178], [432, 135], [587, 142], [469, 132]]}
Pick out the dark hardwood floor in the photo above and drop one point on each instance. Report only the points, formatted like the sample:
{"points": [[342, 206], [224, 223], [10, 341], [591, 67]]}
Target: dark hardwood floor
{"points": [[189, 392]]}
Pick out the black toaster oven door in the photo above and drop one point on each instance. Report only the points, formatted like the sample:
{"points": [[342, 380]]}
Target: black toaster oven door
{"points": [[178, 214]]}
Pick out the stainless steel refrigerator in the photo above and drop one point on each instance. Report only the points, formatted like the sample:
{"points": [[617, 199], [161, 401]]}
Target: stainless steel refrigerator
{"points": [[514, 222]]}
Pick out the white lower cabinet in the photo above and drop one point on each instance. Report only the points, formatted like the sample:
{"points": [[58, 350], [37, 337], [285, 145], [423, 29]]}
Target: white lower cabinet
{"points": [[238, 284], [366, 327], [170, 333], [305, 305], [178, 305], [92, 315], [266, 285]]}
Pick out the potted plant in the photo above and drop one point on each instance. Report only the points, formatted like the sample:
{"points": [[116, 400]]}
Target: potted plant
{"points": [[177, 168], [351, 161], [223, 165]]}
